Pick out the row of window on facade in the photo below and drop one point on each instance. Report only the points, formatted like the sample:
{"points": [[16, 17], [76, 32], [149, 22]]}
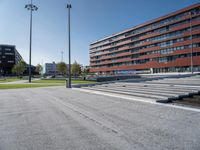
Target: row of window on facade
{"points": [[157, 38], [172, 49], [156, 25], [164, 37], [163, 44], [143, 61], [175, 69], [163, 51], [6, 49], [165, 29], [9, 61]]}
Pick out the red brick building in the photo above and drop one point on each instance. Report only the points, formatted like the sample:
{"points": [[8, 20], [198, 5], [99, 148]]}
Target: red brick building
{"points": [[161, 45]]}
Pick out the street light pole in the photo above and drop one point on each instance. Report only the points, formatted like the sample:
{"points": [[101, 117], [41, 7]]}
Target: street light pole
{"points": [[191, 58], [68, 85], [32, 8]]}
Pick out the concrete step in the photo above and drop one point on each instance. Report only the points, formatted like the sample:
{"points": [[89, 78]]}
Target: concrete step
{"points": [[166, 88], [143, 89], [157, 84], [159, 93], [156, 97], [182, 79], [173, 86], [195, 83], [130, 95], [176, 83], [163, 88], [125, 95]]}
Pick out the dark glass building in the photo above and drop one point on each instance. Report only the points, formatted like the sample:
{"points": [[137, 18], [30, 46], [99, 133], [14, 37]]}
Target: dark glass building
{"points": [[170, 43], [9, 56]]}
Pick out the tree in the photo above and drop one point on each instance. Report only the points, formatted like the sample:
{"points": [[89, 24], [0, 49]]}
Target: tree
{"points": [[62, 68], [19, 68], [39, 69], [85, 70], [76, 69]]}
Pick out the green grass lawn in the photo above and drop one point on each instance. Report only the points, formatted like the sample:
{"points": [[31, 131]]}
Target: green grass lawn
{"points": [[32, 85], [63, 81], [40, 83], [9, 80]]}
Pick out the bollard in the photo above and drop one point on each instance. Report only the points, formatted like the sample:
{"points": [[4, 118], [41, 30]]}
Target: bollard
{"points": [[67, 85]]}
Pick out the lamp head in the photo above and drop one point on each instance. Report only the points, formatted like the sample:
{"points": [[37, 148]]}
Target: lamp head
{"points": [[69, 6]]}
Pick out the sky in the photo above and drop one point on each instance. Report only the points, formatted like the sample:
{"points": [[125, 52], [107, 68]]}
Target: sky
{"points": [[90, 20]]}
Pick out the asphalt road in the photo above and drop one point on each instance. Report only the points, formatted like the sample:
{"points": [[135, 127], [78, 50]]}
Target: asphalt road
{"points": [[56, 118]]}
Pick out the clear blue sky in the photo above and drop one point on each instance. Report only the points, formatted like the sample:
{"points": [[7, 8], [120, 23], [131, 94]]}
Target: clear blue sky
{"points": [[91, 20]]}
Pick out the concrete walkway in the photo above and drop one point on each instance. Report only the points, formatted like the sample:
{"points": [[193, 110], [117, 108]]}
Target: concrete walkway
{"points": [[56, 118]]}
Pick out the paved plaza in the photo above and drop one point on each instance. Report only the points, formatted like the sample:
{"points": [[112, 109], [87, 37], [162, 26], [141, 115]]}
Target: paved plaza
{"points": [[56, 118]]}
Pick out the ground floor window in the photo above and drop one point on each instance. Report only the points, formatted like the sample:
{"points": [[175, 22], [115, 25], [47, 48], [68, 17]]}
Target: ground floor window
{"points": [[176, 69]]}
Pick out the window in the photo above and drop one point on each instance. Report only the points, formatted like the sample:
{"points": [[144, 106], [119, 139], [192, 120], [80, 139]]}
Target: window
{"points": [[9, 53], [10, 61], [7, 49]]}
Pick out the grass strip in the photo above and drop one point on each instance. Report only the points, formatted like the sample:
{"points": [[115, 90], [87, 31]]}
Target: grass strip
{"points": [[31, 85], [9, 80], [63, 81]]}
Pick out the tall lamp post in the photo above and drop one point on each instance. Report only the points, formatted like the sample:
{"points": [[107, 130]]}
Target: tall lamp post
{"points": [[32, 8], [191, 58], [68, 84]]}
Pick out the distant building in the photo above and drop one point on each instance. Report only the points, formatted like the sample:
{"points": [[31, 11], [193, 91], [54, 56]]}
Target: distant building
{"points": [[50, 68], [165, 44], [9, 56], [85, 67]]}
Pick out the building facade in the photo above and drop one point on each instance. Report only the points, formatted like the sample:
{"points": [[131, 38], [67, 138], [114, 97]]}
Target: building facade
{"points": [[9, 56], [50, 69], [167, 44]]}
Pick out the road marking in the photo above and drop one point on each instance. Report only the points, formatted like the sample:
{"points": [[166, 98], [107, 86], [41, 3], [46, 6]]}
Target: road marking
{"points": [[145, 100]]}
